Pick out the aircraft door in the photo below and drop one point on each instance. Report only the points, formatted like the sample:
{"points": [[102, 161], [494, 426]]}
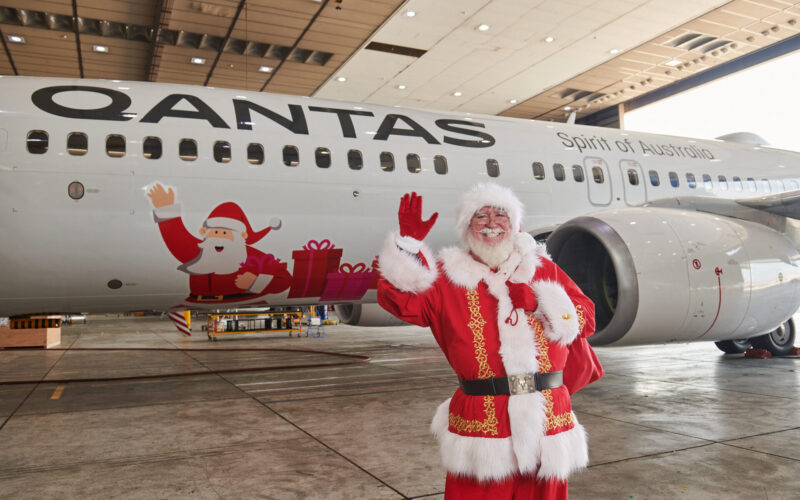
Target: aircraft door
{"points": [[599, 181], [3, 139], [633, 180]]}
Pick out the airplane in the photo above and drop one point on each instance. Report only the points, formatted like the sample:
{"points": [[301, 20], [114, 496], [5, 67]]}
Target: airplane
{"points": [[119, 196]]}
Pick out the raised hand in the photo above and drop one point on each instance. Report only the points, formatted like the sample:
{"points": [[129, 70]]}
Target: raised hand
{"points": [[160, 197], [410, 217]]}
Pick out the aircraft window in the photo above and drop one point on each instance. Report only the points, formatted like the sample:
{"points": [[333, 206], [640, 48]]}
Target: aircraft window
{"points": [[538, 171], [792, 185], [255, 153], [222, 151], [691, 180], [751, 184], [354, 159], [597, 174], [633, 177], [387, 161], [187, 150], [151, 148], [737, 183], [440, 164], [765, 185], [413, 164], [558, 171], [577, 173], [707, 182], [492, 167], [323, 157], [779, 183], [115, 146], [77, 143], [723, 182], [291, 157], [673, 179], [37, 142], [654, 180]]}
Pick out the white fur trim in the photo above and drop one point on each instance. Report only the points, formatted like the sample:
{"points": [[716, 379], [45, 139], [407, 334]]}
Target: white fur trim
{"points": [[403, 270], [461, 268], [227, 223], [559, 311], [527, 415], [260, 283], [488, 194], [485, 459], [166, 213], [409, 244], [564, 453]]}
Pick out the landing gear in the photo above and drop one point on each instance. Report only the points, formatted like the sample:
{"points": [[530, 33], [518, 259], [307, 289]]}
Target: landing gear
{"points": [[733, 346], [779, 342]]}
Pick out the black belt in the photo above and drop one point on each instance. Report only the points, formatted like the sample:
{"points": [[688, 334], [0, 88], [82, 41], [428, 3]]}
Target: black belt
{"points": [[513, 384]]}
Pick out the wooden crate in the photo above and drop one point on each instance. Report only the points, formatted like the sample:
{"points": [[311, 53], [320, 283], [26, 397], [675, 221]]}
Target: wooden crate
{"points": [[29, 337]]}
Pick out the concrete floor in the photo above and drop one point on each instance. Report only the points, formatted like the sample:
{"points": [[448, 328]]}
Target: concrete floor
{"points": [[665, 422]]}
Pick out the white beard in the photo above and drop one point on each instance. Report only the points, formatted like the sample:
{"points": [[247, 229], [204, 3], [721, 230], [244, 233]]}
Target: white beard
{"points": [[491, 255], [227, 261]]}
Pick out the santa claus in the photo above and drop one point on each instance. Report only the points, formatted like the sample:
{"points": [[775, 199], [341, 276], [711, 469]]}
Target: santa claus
{"points": [[223, 266], [513, 327]]}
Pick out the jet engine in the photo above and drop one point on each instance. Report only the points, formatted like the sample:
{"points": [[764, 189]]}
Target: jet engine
{"points": [[366, 315], [664, 275]]}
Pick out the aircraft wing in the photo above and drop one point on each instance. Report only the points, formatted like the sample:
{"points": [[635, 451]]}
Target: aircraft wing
{"points": [[786, 204], [763, 209]]}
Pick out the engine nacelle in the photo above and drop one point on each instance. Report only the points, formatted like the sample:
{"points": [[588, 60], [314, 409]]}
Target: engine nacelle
{"points": [[366, 315], [663, 275]]}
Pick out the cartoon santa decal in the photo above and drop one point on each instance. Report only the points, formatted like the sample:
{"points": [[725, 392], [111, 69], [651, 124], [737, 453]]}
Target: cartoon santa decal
{"points": [[223, 266]]}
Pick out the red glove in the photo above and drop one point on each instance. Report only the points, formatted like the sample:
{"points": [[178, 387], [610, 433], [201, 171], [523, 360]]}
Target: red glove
{"points": [[410, 216], [522, 296]]}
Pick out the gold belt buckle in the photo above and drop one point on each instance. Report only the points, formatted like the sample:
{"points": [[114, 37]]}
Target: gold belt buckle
{"points": [[522, 383]]}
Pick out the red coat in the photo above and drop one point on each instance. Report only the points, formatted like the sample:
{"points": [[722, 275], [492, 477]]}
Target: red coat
{"points": [[469, 310], [271, 277]]}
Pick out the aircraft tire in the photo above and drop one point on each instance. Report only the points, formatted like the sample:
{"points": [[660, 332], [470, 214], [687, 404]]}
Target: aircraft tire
{"points": [[780, 341], [733, 346]]}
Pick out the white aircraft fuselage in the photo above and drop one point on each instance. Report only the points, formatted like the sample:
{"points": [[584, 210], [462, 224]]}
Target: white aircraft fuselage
{"points": [[79, 160]]}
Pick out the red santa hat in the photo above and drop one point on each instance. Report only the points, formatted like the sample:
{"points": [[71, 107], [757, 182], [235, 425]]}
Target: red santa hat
{"points": [[230, 216], [488, 194]]}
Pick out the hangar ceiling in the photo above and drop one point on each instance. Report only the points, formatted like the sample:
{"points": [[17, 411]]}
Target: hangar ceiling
{"points": [[521, 58]]}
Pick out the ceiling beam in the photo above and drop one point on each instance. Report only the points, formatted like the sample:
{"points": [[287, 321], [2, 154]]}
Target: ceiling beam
{"points": [[159, 19], [225, 41], [8, 52], [296, 42], [77, 34]]}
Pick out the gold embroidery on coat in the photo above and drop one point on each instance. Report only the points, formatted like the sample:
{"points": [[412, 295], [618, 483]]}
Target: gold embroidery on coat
{"points": [[476, 324], [555, 421], [543, 344], [581, 319], [487, 426]]}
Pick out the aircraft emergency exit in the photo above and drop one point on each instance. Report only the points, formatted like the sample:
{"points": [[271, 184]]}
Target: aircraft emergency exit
{"points": [[119, 196]]}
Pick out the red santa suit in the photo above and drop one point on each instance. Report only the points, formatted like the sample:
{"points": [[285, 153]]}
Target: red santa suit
{"points": [[271, 276], [501, 444]]}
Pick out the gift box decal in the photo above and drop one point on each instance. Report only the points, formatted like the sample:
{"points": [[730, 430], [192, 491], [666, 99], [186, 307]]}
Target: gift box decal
{"points": [[373, 285], [312, 265], [350, 283]]}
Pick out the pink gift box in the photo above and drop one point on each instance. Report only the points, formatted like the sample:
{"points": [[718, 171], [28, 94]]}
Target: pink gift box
{"points": [[350, 283]]}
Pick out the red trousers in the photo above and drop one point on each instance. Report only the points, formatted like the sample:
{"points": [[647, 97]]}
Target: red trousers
{"points": [[513, 488]]}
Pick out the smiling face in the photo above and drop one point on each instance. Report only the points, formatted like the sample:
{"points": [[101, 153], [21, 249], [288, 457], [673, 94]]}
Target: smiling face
{"points": [[222, 251], [490, 226], [489, 236]]}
